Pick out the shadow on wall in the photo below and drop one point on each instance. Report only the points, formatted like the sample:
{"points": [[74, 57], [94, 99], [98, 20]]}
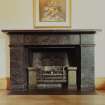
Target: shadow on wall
{"points": [[8, 84], [100, 83]]}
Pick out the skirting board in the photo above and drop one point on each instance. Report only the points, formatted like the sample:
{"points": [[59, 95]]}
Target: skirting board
{"points": [[5, 83], [99, 83]]}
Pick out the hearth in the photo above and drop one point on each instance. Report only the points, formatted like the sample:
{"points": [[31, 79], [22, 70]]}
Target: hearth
{"points": [[52, 59]]}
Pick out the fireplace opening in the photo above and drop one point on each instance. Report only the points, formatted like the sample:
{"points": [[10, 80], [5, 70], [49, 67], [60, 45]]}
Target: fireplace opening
{"points": [[52, 67]]}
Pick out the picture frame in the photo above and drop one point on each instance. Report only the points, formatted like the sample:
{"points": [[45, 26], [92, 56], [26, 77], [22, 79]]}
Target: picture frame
{"points": [[52, 14]]}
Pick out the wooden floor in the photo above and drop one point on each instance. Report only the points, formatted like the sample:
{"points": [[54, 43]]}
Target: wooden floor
{"points": [[98, 99]]}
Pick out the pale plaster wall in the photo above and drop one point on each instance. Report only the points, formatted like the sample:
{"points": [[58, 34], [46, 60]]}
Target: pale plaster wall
{"points": [[90, 14], [18, 14]]}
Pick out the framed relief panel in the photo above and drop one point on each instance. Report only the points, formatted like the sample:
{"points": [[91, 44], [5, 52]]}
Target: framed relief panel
{"points": [[52, 13]]}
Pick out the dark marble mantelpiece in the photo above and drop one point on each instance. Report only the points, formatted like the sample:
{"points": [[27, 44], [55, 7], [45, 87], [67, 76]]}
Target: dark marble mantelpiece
{"points": [[22, 40], [73, 31]]}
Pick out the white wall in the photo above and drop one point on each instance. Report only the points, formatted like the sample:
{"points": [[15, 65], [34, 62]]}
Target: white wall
{"points": [[14, 14], [90, 14], [18, 14]]}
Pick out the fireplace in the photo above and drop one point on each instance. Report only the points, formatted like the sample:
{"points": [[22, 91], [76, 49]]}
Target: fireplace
{"points": [[43, 59]]}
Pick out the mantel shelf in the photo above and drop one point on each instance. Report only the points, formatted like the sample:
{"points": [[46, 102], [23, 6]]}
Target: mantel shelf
{"points": [[72, 31]]}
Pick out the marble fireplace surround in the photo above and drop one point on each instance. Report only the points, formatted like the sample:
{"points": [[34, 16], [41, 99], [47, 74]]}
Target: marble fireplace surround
{"points": [[22, 40]]}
